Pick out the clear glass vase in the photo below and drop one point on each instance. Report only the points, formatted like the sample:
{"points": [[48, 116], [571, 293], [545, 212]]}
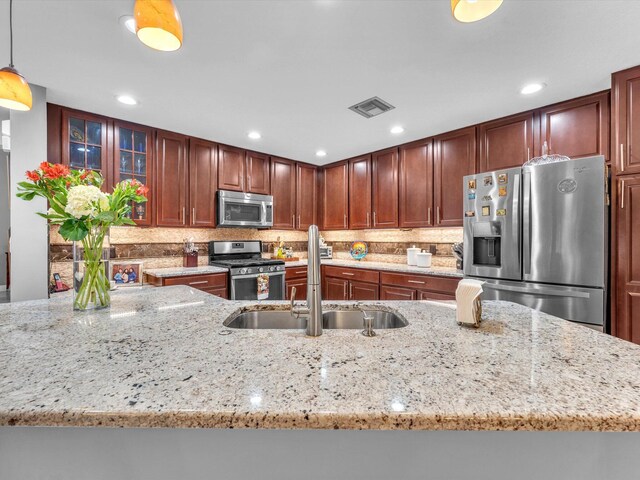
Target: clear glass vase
{"points": [[91, 271]]}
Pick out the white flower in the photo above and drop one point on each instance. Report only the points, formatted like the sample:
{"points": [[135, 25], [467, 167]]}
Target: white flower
{"points": [[82, 200]]}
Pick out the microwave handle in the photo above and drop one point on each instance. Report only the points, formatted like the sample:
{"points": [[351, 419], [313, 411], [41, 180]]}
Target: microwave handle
{"points": [[264, 213]]}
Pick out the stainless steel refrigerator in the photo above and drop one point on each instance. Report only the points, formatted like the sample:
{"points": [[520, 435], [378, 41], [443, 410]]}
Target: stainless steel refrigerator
{"points": [[538, 236]]}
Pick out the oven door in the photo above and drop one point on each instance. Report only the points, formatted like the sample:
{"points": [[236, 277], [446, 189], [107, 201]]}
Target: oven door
{"points": [[245, 287], [244, 210]]}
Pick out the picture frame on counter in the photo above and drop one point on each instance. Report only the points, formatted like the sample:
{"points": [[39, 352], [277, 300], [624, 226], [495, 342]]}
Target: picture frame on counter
{"points": [[126, 274]]}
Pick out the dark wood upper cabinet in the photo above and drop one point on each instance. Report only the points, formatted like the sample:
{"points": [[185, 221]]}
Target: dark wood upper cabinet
{"points": [[625, 114], [360, 192], [133, 159], [454, 157], [335, 195], [172, 182], [385, 188], [506, 143], [86, 143], [283, 189], [416, 185], [306, 196], [626, 321], [231, 168], [257, 173], [577, 128], [203, 167]]}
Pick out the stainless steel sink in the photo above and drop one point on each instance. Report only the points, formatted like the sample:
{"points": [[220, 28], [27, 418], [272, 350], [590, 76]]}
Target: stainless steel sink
{"points": [[336, 319], [344, 319]]}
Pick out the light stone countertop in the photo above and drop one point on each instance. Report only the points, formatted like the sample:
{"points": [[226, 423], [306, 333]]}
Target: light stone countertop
{"points": [[157, 359], [182, 271], [385, 266]]}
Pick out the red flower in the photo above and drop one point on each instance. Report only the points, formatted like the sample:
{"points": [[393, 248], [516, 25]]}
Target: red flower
{"points": [[54, 171], [142, 191], [33, 175], [84, 174], [135, 182]]}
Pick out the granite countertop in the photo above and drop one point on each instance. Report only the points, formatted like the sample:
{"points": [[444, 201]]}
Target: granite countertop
{"points": [[386, 266], [157, 359], [182, 271]]}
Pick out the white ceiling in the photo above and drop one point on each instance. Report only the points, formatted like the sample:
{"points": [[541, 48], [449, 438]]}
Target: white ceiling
{"points": [[290, 69]]}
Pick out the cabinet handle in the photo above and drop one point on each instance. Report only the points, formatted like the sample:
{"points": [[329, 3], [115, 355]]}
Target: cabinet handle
{"points": [[347, 273], [438, 215], [193, 216], [429, 215], [199, 283], [184, 215], [368, 224], [293, 219], [621, 193], [299, 223], [622, 157], [350, 292], [375, 222], [301, 272], [345, 220], [415, 281], [344, 295], [528, 154]]}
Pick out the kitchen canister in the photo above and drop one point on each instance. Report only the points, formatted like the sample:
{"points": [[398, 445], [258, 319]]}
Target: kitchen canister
{"points": [[412, 259], [423, 259]]}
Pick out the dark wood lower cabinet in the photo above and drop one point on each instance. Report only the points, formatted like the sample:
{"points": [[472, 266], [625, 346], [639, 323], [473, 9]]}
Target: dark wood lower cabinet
{"points": [[388, 292], [626, 320], [215, 283], [296, 277], [335, 288], [363, 291], [435, 296]]}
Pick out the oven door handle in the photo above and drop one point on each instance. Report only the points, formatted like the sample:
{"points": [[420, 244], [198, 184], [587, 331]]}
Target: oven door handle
{"points": [[255, 275]]}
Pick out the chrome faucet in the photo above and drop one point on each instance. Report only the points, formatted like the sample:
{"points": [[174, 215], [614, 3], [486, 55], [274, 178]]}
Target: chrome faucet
{"points": [[314, 294]]}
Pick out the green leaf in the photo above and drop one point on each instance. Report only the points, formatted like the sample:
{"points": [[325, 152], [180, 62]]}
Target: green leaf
{"points": [[73, 229], [27, 195], [128, 221], [106, 217]]}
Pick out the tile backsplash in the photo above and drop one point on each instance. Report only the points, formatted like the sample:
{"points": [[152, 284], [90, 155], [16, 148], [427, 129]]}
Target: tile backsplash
{"points": [[162, 247]]}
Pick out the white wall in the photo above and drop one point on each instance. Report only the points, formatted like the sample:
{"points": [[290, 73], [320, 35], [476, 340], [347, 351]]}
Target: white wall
{"points": [[29, 233], [4, 207]]}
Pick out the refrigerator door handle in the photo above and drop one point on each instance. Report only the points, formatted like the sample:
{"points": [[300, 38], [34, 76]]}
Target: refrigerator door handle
{"points": [[515, 233], [526, 222], [541, 291]]}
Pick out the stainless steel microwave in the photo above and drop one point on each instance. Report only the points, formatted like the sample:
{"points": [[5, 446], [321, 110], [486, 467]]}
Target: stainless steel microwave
{"points": [[249, 210]]}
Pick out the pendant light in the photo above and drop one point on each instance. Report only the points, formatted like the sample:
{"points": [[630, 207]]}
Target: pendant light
{"points": [[158, 24], [468, 11], [14, 89]]}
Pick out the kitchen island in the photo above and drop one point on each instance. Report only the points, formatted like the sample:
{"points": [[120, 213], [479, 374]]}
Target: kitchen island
{"points": [[162, 358]]}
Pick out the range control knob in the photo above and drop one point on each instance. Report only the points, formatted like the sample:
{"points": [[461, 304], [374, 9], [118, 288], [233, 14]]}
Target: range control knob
{"points": [[243, 271], [272, 269], [260, 269]]}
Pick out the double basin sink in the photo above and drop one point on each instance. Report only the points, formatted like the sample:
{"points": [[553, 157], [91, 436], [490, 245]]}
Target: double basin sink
{"points": [[334, 319]]}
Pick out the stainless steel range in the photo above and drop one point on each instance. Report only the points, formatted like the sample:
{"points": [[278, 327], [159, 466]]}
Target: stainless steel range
{"points": [[248, 270]]}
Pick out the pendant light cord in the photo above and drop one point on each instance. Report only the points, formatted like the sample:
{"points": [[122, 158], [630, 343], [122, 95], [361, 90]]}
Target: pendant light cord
{"points": [[11, 33]]}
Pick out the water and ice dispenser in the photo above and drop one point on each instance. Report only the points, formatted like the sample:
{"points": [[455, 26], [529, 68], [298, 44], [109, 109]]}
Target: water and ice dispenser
{"points": [[487, 238]]}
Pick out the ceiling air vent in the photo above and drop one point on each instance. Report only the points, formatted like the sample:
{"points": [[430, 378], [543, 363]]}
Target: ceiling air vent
{"points": [[372, 107]]}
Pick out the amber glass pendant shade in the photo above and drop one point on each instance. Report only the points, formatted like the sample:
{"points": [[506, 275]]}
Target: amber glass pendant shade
{"points": [[158, 24], [14, 90], [468, 11]]}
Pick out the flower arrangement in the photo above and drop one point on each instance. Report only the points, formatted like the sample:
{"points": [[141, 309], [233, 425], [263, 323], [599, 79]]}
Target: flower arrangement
{"points": [[85, 214]]}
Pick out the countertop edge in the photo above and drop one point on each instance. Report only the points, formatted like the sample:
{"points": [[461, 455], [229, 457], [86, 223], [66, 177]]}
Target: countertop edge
{"points": [[322, 421]]}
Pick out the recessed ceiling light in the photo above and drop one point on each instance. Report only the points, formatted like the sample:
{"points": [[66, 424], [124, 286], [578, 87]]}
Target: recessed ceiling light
{"points": [[321, 153], [397, 129], [127, 100], [254, 135], [129, 23], [532, 88], [467, 11]]}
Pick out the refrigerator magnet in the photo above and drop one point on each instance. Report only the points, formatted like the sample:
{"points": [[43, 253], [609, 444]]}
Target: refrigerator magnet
{"points": [[488, 181], [472, 196], [469, 213], [502, 191], [487, 198], [471, 184], [502, 178], [486, 210], [501, 212]]}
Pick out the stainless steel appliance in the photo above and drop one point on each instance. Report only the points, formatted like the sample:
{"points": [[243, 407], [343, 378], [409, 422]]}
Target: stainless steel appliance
{"points": [[326, 251], [238, 209], [537, 236], [245, 263]]}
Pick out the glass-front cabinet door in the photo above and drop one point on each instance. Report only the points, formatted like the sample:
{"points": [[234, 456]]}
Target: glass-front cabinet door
{"points": [[85, 143], [132, 160]]}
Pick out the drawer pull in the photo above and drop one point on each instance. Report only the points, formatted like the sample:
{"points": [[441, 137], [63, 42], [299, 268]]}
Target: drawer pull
{"points": [[415, 281], [199, 283], [301, 272], [347, 273]]}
